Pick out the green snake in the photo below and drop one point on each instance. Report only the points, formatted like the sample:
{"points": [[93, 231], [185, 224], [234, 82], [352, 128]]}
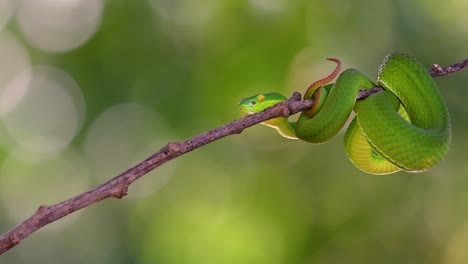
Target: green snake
{"points": [[404, 127]]}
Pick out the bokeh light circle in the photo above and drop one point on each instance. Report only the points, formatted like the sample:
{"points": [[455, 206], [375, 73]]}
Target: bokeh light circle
{"points": [[123, 135], [58, 25], [42, 109], [28, 180], [13, 59]]}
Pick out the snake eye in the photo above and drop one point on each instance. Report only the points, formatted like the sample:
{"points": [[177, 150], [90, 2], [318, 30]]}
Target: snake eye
{"points": [[253, 102]]}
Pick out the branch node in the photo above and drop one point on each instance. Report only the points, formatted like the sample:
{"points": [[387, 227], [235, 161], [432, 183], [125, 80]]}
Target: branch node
{"points": [[174, 147], [171, 148], [296, 96], [285, 109], [120, 191], [14, 239], [238, 132], [42, 208], [436, 69]]}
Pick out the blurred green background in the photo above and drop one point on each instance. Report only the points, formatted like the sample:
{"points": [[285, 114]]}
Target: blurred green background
{"points": [[90, 87]]}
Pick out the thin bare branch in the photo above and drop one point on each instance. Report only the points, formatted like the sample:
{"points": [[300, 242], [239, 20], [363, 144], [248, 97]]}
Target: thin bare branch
{"points": [[117, 187], [437, 71]]}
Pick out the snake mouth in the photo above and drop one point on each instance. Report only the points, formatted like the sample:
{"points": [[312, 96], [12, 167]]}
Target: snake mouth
{"points": [[246, 111]]}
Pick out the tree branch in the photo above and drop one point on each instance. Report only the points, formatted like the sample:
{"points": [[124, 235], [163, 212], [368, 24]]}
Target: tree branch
{"points": [[117, 187], [437, 71]]}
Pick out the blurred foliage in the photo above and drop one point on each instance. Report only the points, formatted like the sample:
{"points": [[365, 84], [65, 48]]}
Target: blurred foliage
{"points": [[252, 198]]}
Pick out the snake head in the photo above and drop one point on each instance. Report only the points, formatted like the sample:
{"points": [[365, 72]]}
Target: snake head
{"points": [[258, 103]]}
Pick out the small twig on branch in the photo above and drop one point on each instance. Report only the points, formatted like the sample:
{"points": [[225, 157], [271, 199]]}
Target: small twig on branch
{"points": [[118, 186], [436, 70]]}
